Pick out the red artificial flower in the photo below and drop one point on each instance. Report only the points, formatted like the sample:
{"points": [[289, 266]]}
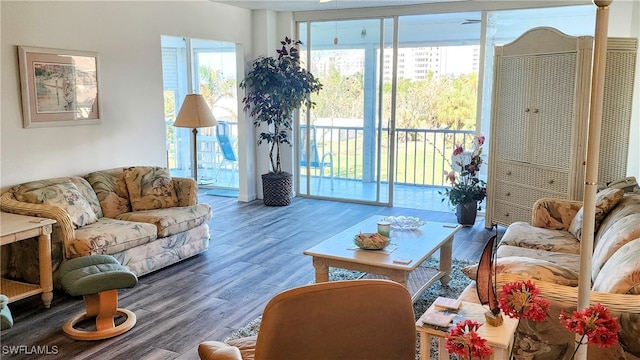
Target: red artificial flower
{"points": [[464, 341], [458, 150], [520, 300], [595, 322]]}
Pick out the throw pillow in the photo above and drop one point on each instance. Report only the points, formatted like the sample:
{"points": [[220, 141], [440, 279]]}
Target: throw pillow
{"points": [[606, 200], [532, 268], [111, 190], [150, 188], [66, 196]]}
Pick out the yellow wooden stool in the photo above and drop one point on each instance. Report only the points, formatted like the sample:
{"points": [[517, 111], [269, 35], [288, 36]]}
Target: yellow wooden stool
{"points": [[97, 278]]}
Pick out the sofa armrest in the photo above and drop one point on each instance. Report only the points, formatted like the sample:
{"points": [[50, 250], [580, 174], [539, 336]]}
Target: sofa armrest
{"points": [[568, 295], [556, 214], [216, 350], [187, 191], [8, 203]]}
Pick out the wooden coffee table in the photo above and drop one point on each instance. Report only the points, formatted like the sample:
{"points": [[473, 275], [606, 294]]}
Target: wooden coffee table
{"points": [[400, 261]]}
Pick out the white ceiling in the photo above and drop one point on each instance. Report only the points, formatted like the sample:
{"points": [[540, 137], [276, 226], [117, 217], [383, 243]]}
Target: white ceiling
{"points": [[309, 5]]}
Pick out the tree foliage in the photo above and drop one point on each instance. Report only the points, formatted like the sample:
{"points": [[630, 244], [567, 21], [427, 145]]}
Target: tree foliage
{"points": [[437, 102], [215, 87], [342, 96]]}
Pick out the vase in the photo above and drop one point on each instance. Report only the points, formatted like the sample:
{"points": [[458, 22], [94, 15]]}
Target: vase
{"points": [[277, 189], [466, 213], [524, 356]]}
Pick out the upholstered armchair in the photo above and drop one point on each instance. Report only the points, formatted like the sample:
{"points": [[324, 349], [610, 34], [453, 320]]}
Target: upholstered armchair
{"points": [[357, 319]]}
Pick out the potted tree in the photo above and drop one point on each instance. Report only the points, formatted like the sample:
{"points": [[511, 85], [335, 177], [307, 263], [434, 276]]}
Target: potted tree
{"points": [[466, 189], [276, 87]]}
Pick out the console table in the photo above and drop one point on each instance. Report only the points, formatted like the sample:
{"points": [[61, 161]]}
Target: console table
{"points": [[14, 228]]}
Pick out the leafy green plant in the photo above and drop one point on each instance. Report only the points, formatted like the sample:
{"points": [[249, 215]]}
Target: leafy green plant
{"points": [[276, 87]]}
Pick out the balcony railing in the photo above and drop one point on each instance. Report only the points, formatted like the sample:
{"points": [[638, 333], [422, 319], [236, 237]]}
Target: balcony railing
{"points": [[422, 155]]}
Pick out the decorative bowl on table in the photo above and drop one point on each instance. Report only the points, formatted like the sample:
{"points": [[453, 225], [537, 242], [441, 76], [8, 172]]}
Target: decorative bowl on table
{"points": [[371, 241], [404, 222]]}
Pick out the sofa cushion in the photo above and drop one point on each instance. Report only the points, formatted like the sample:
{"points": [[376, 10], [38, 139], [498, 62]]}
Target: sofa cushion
{"points": [[109, 236], [532, 268], [525, 235], [150, 188], [66, 196], [620, 233], [111, 190], [172, 220], [570, 262], [621, 274], [606, 200]]}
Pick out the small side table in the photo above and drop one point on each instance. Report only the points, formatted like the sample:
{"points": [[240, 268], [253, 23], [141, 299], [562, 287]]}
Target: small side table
{"points": [[14, 228], [499, 338]]}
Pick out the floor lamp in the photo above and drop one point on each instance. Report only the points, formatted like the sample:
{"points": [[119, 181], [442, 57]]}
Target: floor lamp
{"points": [[591, 170], [195, 113]]}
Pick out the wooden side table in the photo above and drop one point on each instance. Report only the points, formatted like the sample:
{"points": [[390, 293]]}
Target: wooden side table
{"points": [[14, 228], [499, 338]]}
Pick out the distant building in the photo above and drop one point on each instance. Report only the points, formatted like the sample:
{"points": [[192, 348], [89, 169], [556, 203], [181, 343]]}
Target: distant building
{"points": [[416, 63], [413, 63]]}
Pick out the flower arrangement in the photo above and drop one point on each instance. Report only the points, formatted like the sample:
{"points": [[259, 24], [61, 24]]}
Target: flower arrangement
{"points": [[465, 185], [519, 300], [463, 340], [595, 323]]}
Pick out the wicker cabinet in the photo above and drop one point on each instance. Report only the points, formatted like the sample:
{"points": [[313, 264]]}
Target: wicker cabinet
{"points": [[539, 120]]}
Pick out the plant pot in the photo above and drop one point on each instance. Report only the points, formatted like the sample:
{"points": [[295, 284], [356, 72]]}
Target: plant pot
{"points": [[466, 213], [277, 189]]}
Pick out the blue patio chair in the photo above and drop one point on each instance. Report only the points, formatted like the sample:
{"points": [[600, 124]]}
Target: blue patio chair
{"points": [[229, 158], [313, 160]]}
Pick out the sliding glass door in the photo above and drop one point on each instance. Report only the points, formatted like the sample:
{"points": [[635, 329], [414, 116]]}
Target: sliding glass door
{"points": [[436, 101], [343, 143], [209, 68]]}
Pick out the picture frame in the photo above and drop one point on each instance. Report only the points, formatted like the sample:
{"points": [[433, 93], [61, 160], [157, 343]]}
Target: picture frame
{"points": [[59, 87]]}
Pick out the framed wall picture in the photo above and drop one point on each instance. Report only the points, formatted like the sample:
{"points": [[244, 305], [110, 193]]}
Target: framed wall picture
{"points": [[59, 87]]}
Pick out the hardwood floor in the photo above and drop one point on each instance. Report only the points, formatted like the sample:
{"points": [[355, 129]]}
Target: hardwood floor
{"points": [[255, 252]]}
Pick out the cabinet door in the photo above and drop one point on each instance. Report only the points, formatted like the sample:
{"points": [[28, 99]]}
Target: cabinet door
{"points": [[511, 98], [552, 111]]}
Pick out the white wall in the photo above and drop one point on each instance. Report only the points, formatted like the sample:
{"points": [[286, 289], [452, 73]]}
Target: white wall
{"points": [[127, 37], [624, 21]]}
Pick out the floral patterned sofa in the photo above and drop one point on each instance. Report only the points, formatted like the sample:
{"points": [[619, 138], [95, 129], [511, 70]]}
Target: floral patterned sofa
{"points": [[139, 215], [547, 251]]}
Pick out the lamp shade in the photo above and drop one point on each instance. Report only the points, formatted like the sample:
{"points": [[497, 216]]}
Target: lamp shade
{"points": [[195, 113]]}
